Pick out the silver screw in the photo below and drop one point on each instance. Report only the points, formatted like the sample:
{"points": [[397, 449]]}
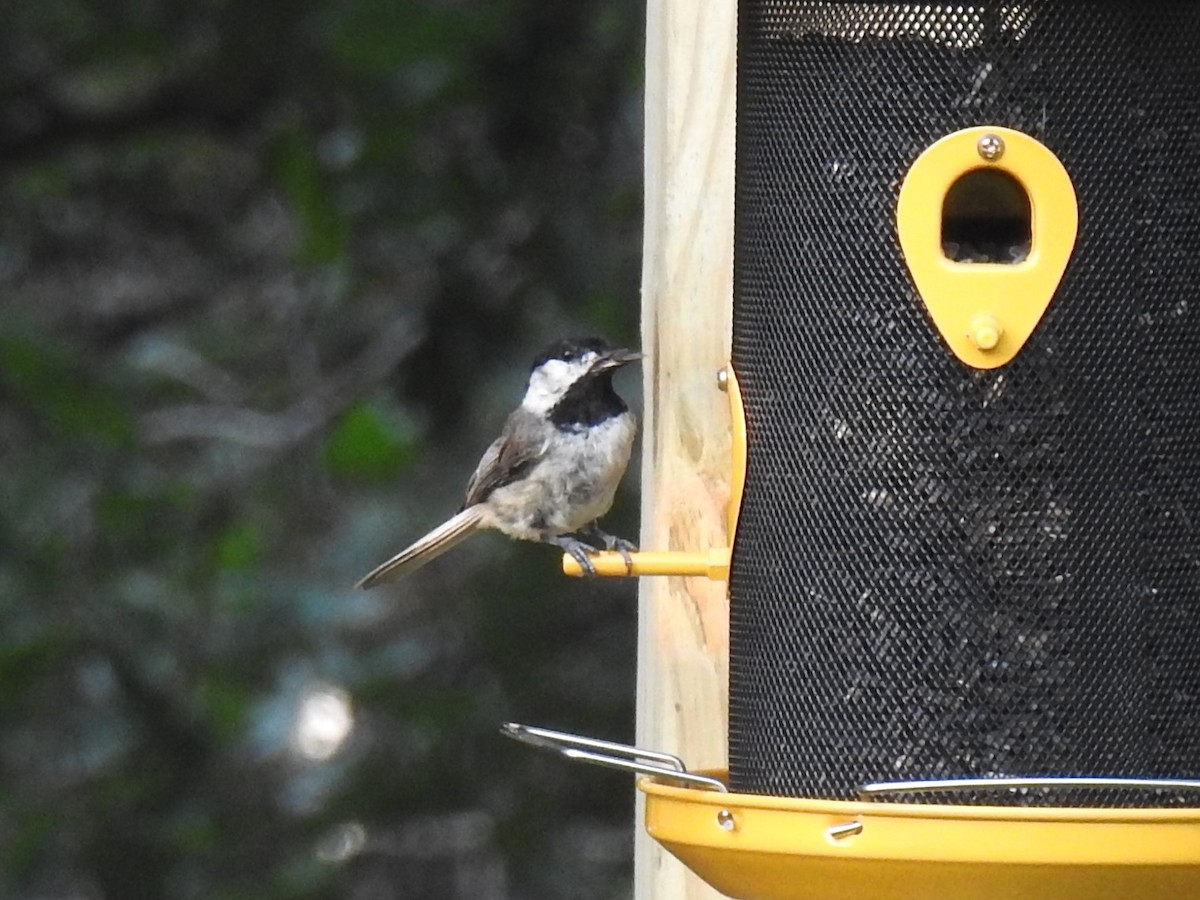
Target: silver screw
{"points": [[723, 379], [990, 147], [725, 820], [845, 830]]}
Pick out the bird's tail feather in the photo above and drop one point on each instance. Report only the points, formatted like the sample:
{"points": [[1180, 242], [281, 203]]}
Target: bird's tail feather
{"points": [[428, 548]]}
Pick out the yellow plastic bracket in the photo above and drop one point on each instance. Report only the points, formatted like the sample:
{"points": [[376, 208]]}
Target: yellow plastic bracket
{"points": [[712, 563], [986, 311]]}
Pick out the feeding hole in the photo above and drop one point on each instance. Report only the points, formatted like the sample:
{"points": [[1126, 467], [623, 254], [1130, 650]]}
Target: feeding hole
{"points": [[986, 218]]}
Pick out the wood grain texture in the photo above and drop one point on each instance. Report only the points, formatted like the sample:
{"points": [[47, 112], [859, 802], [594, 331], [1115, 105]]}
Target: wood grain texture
{"points": [[687, 284]]}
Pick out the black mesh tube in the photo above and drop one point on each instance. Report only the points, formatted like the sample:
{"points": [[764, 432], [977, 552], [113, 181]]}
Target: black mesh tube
{"points": [[942, 572]]}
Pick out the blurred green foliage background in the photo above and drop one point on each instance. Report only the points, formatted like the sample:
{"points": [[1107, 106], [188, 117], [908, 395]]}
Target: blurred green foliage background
{"points": [[271, 272]]}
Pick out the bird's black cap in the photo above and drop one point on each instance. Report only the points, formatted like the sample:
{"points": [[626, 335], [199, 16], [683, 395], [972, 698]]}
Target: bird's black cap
{"points": [[568, 349]]}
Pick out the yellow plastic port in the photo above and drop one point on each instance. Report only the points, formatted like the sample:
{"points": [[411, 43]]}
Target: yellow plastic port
{"points": [[1010, 197]]}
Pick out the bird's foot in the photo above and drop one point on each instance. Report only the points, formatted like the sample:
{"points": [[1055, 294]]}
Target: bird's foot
{"points": [[577, 550], [620, 545]]}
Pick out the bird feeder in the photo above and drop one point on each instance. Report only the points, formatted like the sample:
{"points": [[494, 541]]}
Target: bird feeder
{"points": [[964, 590]]}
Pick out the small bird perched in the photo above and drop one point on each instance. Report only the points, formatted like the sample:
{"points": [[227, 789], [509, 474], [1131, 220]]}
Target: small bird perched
{"points": [[555, 467]]}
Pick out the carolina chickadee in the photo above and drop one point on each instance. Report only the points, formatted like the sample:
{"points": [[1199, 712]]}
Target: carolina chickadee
{"points": [[555, 467]]}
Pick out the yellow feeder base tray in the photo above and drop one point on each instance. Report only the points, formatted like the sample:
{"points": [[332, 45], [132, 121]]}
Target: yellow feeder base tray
{"points": [[753, 847]]}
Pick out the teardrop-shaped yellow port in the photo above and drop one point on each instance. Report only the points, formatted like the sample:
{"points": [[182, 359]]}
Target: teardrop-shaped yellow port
{"points": [[987, 220]]}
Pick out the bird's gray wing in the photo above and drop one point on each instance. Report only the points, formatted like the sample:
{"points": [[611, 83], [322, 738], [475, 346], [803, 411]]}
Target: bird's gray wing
{"points": [[509, 457]]}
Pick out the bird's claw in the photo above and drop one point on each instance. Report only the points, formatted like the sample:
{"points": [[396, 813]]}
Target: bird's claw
{"points": [[581, 556], [578, 551], [625, 548], [620, 545]]}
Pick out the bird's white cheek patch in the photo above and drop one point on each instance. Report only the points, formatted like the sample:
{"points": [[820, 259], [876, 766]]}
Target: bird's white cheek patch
{"points": [[550, 381]]}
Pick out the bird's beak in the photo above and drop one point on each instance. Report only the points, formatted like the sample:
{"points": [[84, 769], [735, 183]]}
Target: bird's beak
{"points": [[614, 359]]}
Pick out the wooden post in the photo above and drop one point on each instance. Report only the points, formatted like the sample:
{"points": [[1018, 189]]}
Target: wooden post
{"points": [[687, 285]]}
